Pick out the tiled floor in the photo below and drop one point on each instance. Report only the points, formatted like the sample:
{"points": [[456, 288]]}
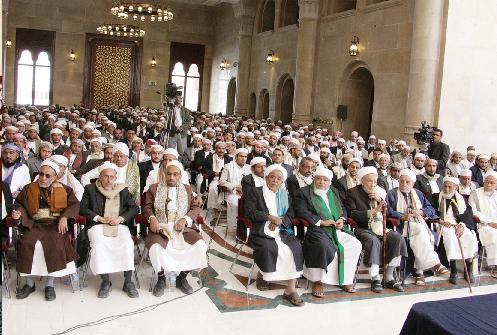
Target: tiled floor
{"points": [[222, 305]]}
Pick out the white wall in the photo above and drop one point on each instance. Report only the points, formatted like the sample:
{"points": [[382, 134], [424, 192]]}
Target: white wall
{"points": [[468, 103]]}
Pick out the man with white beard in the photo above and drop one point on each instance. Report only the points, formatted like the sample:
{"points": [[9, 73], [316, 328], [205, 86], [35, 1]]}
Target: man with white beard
{"points": [[483, 201], [109, 211], [456, 223], [411, 207]]}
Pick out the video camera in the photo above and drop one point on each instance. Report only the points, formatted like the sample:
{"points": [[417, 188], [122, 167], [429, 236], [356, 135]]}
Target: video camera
{"points": [[424, 135]]}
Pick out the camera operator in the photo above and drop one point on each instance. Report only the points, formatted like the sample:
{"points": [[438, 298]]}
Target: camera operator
{"points": [[439, 151], [177, 126]]}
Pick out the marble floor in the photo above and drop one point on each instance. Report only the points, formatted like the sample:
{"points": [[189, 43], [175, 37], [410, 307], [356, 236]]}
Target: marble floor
{"points": [[221, 304]]}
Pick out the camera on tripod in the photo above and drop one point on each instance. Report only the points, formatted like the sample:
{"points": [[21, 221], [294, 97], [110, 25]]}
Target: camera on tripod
{"points": [[424, 135], [172, 91]]}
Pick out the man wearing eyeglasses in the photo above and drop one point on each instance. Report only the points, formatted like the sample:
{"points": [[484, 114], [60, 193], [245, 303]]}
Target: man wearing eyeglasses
{"points": [[43, 209]]}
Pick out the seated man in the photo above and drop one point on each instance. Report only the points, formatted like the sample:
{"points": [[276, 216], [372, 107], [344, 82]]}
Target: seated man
{"points": [[231, 181], [174, 242], [456, 223], [109, 211], [302, 177], [214, 164], [365, 204], [350, 179], [483, 201], [466, 186], [44, 207], [256, 177], [411, 207], [429, 182], [277, 252], [331, 250]]}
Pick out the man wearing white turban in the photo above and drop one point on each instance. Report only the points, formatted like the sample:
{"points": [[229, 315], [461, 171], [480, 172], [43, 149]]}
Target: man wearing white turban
{"points": [[456, 223], [277, 252], [44, 207], [365, 204], [109, 211], [483, 201], [331, 250], [466, 186], [128, 171], [230, 183], [411, 208], [66, 177]]}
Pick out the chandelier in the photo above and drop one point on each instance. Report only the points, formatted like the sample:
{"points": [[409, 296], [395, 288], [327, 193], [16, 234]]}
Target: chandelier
{"points": [[121, 30], [140, 11]]}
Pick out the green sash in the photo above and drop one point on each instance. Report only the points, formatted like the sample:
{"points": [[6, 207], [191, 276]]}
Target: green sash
{"points": [[333, 212]]}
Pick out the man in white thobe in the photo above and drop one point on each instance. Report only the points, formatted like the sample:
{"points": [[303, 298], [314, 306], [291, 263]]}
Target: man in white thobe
{"points": [[484, 204]]}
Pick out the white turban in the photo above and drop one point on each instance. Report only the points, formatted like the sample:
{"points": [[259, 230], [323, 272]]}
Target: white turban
{"points": [[483, 156], [365, 171], [420, 155], [78, 141], [56, 131], [177, 164], [157, 147], [408, 173], [278, 167], [96, 139], [384, 156], [59, 159], [199, 136], [257, 160], [241, 150], [108, 165], [122, 147], [327, 150], [171, 151], [51, 164], [490, 173], [324, 172], [465, 173], [453, 180]]}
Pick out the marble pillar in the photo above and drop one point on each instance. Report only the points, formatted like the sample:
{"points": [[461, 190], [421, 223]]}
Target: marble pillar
{"points": [[306, 50], [424, 75]]}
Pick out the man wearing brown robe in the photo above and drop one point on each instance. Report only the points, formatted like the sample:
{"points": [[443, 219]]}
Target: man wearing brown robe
{"points": [[174, 242], [43, 209]]}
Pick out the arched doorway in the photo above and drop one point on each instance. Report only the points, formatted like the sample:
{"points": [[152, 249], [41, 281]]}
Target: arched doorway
{"points": [[231, 99], [264, 104], [252, 105], [284, 104], [358, 96]]}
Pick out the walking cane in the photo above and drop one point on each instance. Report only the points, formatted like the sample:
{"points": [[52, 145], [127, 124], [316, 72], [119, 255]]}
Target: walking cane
{"points": [[384, 213], [465, 266]]}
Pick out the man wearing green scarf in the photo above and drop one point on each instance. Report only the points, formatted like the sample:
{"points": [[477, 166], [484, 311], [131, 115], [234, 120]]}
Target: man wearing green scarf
{"points": [[331, 251]]}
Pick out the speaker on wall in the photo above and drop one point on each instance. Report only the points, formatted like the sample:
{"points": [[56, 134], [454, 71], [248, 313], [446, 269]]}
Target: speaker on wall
{"points": [[342, 112]]}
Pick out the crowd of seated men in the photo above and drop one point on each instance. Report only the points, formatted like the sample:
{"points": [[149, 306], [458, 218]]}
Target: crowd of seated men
{"points": [[131, 174]]}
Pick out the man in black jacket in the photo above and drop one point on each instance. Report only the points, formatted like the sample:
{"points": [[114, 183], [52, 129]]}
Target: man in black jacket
{"points": [[109, 210], [439, 151], [479, 169]]}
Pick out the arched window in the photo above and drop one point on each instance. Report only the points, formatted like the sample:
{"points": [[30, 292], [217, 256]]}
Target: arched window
{"points": [[289, 12], [33, 79], [339, 6], [192, 88], [267, 16], [190, 83]]}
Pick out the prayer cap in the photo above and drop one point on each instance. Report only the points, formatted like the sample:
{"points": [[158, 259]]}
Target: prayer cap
{"points": [[52, 164], [465, 173], [366, 171], [219, 143], [59, 159], [77, 129], [396, 165], [357, 160], [108, 165], [382, 142], [278, 167], [327, 150], [78, 142], [483, 156], [122, 147], [420, 155], [108, 145], [490, 173], [452, 180], [177, 164], [257, 160], [241, 150], [56, 131], [171, 151], [408, 173], [384, 156], [324, 172], [96, 139], [137, 140], [341, 139], [199, 136], [249, 134], [157, 147]]}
